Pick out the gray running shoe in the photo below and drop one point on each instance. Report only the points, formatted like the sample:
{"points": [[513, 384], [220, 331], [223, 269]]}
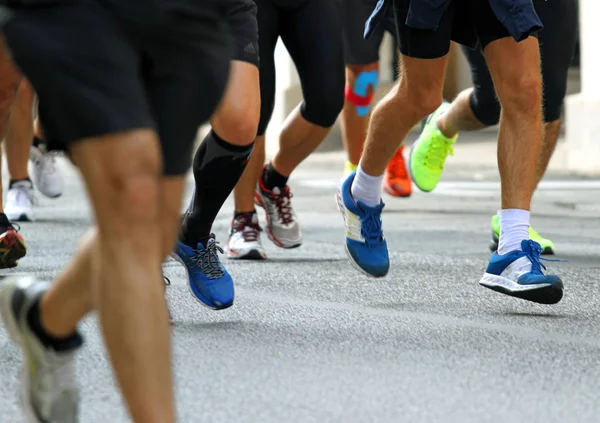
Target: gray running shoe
{"points": [[49, 391]]}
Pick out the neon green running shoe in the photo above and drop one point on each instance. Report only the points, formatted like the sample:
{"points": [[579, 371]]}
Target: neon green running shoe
{"points": [[547, 245], [349, 167], [429, 152]]}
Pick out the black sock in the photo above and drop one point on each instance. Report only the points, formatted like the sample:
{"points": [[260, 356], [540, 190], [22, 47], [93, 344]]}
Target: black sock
{"points": [[272, 178], [58, 344], [14, 181], [4, 223], [218, 165], [238, 214], [37, 142]]}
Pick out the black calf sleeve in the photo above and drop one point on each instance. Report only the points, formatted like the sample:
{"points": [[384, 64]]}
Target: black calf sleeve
{"points": [[218, 165]]}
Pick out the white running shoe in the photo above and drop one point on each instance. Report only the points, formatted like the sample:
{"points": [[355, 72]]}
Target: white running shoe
{"points": [[49, 391], [20, 200], [282, 223], [47, 177], [244, 238]]}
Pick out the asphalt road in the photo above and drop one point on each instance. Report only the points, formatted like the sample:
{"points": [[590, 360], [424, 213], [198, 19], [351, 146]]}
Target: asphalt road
{"points": [[312, 340]]}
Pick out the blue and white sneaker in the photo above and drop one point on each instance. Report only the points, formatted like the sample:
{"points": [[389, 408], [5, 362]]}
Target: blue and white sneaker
{"points": [[519, 274], [207, 277], [365, 244]]}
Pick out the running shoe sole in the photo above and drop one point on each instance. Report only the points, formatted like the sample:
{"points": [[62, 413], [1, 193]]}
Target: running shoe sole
{"points": [[20, 217], [394, 193], [252, 254], [541, 294]]}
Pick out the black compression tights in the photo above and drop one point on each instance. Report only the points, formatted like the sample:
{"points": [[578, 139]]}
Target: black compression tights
{"points": [[311, 31], [557, 45]]}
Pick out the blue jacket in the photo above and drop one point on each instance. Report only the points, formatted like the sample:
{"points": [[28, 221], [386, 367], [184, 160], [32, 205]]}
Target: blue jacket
{"points": [[518, 16]]}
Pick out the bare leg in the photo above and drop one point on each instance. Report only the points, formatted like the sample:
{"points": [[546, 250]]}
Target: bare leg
{"points": [[121, 267], [459, 117], [418, 93], [11, 78], [236, 119], [20, 133], [298, 139], [354, 125], [518, 84]]}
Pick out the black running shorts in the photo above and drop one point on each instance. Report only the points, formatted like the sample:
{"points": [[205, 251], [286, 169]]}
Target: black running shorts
{"points": [[105, 66], [464, 21], [241, 17]]}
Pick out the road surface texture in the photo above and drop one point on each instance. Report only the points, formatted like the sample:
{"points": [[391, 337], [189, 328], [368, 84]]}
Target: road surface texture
{"points": [[312, 340]]}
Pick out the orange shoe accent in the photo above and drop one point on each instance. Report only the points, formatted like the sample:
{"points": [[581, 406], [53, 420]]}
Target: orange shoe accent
{"points": [[12, 248], [397, 181]]}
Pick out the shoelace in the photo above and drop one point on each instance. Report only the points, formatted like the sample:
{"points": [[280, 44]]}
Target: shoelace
{"points": [[250, 231], [397, 167], [207, 259], [284, 205], [533, 251], [437, 153], [371, 229]]}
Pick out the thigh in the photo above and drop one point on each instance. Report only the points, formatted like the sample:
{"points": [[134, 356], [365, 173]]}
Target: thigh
{"points": [[83, 68], [312, 36], [268, 34], [185, 69], [357, 49], [242, 20]]}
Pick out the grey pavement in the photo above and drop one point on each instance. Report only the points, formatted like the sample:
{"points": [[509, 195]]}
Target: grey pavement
{"points": [[311, 340]]}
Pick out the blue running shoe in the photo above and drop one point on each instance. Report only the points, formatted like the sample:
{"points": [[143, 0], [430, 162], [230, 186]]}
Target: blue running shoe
{"points": [[208, 280], [520, 274], [365, 243]]}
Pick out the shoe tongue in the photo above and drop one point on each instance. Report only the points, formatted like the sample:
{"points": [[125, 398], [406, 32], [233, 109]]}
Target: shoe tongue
{"points": [[254, 218], [205, 243], [276, 190]]}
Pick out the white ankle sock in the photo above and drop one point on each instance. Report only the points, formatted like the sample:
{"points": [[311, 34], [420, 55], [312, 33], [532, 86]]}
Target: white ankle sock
{"points": [[514, 228], [366, 188]]}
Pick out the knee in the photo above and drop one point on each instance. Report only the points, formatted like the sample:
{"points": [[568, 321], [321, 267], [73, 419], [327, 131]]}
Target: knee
{"points": [[238, 124], [8, 93], [361, 85], [132, 186], [418, 99], [323, 108], [521, 96]]}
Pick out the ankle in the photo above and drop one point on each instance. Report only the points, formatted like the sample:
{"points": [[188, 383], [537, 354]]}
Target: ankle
{"points": [[449, 131], [59, 340]]}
